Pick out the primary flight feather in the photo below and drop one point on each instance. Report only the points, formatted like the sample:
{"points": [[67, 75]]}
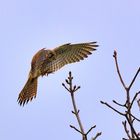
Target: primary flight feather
{"points": [[45, 62]]}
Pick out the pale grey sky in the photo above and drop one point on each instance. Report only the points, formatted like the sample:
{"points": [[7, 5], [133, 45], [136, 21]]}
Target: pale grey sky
{"points": [[29, 25]]}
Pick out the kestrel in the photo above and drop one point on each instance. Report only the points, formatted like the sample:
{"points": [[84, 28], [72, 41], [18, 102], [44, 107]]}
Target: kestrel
{"points": [[45, 62]]}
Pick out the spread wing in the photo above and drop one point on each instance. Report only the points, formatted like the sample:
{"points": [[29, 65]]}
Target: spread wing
{"points": [[69, 53]]}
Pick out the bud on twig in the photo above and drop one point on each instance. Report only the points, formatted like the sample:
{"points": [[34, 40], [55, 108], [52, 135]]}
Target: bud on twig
{"points": [[115, 53]]}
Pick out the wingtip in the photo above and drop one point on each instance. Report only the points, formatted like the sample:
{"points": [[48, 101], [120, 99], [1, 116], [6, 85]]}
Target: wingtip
{"points": [[94, 44]]}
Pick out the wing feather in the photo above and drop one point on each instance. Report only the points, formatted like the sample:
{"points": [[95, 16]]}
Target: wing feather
{"points": [[70, 53]]}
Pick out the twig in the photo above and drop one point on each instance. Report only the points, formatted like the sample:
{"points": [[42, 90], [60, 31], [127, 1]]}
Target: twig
{"points": [[134, 79], [134, 99], [72, 89], [65, 87], [138, 102], [112, 108], [122, 105], [76, 111], [97, 135], [118, 71], [90, 129], [76, 129], [77, 114], [126, 130]]}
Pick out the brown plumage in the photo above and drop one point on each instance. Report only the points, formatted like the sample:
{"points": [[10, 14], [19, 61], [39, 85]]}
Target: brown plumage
{"points": [[45, 62]]}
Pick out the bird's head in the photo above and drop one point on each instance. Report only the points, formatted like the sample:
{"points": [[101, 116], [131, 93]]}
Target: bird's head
{"points": [[49, 54]]}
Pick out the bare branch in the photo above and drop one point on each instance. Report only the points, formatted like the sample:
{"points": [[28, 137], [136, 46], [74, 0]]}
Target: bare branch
{"points": [[133, 116], [134, 78], [126, 130], [77, 88], [132, 128], [97, 135], [138, 102], [128, 115], [76, 129], [122, 105], [134, 99], [90, 129], [112, 108], [65, 87], [118, 70], [72, 89]]}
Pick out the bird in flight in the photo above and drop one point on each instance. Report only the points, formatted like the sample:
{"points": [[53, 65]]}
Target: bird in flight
{"points": [[46, 61]]}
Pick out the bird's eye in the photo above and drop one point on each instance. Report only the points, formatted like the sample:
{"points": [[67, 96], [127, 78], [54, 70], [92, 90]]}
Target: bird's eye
{"points": [[50, 55]]}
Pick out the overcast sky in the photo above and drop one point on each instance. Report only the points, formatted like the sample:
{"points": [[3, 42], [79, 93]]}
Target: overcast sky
{"points": [[29, 25]]}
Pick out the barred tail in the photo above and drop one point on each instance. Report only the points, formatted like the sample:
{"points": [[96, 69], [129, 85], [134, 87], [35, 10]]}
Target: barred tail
{"points": [[28, 92]]}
